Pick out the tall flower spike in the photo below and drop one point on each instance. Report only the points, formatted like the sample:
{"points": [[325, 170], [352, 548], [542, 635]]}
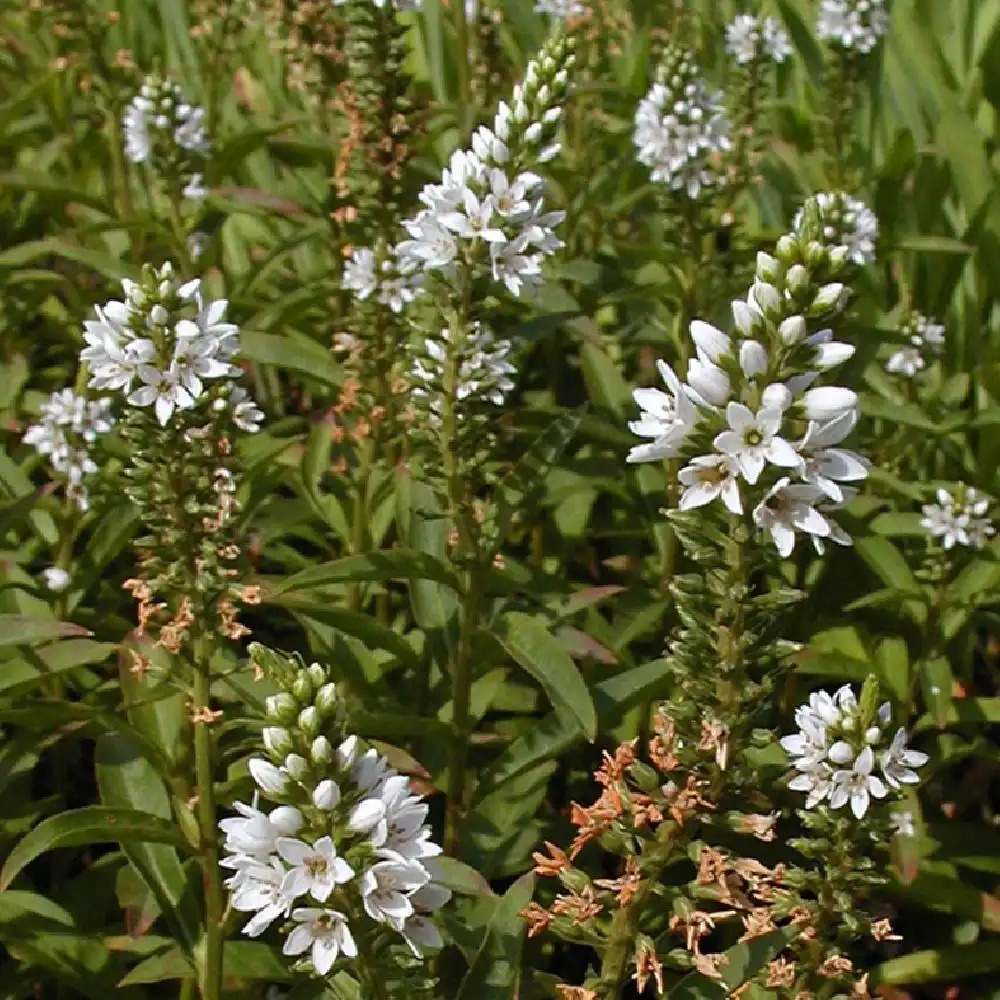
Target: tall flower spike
{"points": [[852, 25], [925, 338], [487, 213], [69, 425], [681, 127], [774, 437], [751, 39], [345, 852], [959, 518]]}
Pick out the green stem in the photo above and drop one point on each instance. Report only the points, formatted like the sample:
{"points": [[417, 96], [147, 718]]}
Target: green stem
{"points": [[359, 526], [625, 924], [211, 982]]}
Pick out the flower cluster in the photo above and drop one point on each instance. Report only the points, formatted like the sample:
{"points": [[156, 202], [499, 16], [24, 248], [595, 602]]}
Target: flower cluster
{"points": [[681, 128], [846, 221], [161, 343], [841, 743], [346, 849], [481, 370], [924, 335], [403, 5], [162, 129], [563, 9], [69, 425], [750, 39], [754, 428], [853, 25], [366, 276], [959, 518], [488, 200]]}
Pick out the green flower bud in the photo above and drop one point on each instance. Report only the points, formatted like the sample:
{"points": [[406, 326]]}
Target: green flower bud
{"points": [[321, 751], [282, 707], [798, 279], [817, 255], [302, 688], [327, 699], [309, 722], [787, 250], [277, 741], [317, 674]]}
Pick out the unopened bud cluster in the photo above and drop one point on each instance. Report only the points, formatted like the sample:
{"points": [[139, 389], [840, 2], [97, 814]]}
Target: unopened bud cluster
{"points": [[854, 26], [845, 221], [162, 129], [345, 852], [924, 337]]}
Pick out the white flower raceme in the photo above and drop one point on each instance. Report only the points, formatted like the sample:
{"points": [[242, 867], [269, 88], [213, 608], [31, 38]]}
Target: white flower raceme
{"points": [[959, 518], [69, 425], [750, 38], [848, 222], [924, 336], [854, 25], [366, 278], [681, 128], [162, 344], [766, 448], [350, 842], [162, 129], [482, 371], [488, 211], [841, 757]]}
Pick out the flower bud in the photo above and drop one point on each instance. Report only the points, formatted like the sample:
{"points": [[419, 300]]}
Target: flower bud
{"points": [[282, 707], [326, 794], [787, 249], [277, 741], [827, 402], [302, 687], [747, 319], [767, 297], [321, 750], [829, 297], [710, 341], [817, 255], [310, 721], [793, 330], [367, 814], [839, 256], [287, 819], [327, 700], [753, 358], [317, 674], [296, 765], [798, 279], [768, 267]]}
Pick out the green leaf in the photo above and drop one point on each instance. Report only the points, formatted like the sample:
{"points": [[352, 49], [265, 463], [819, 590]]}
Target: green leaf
{"points": [[292, 352], [19, 630], [89, 825], [394, 564], [170, 964], [494, 972], [940, 964], [531, 645]]}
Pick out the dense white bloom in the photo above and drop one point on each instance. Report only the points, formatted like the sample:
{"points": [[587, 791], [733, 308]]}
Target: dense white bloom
{"points": [[56, 578], [366, 278], [788, 508], [855, 25], [69, 424], [167, 339], [749, 38], [483, 370], [846, 222], [324, 934], [681, 128], [488, 209], [959, 518], [386, 888], [836, 753]]}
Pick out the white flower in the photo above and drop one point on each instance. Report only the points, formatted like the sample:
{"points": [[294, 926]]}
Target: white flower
{"points": [[858, 785], [959, 520], [824, 466], [898, 761], [667, 417], [359, 273], [561, 9], [852, 24], [748, 38], [752, 441], [789, 508], [255, 833], [259, 892], [386, 887], [708, 477], [268, 778], [315, 870], [324, 934], [56, 578], [421, 935]]}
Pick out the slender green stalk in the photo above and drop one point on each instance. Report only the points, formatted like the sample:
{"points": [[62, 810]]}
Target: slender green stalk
{"points": [[462, 61], [211, 981]]}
